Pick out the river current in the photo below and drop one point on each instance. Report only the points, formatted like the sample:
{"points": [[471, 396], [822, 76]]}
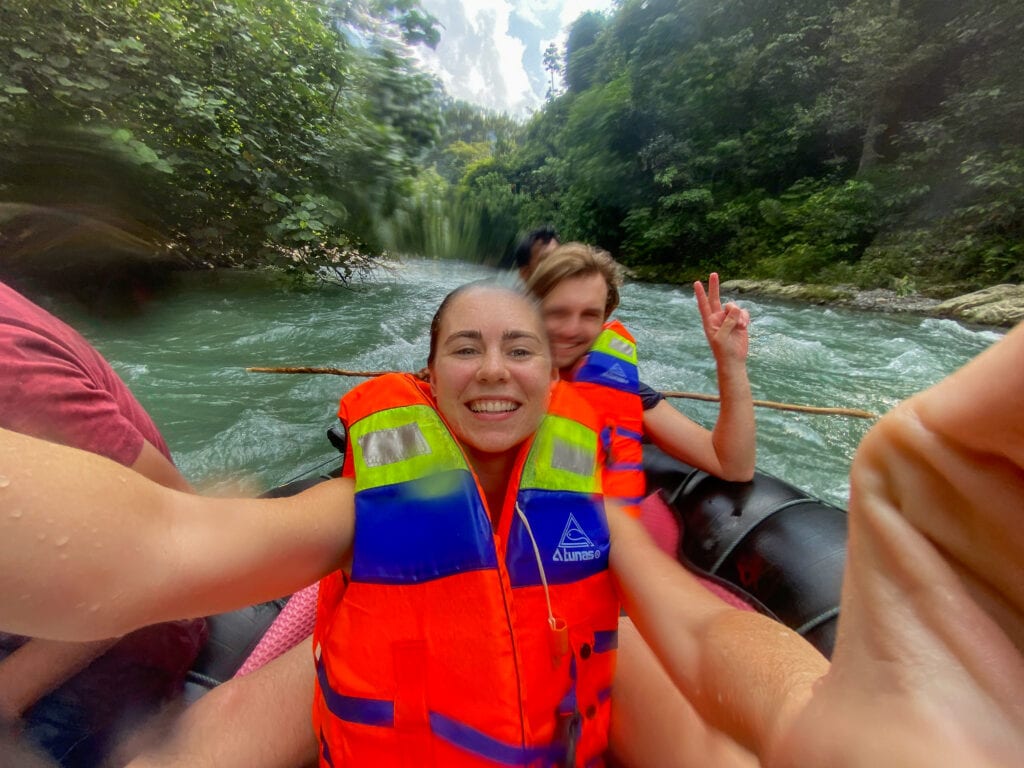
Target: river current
{"points": [[185, 358]]}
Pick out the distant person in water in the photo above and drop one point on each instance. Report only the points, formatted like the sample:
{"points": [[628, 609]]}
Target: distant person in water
{"points": [[929, 663], [532, 248], [69, 698]]}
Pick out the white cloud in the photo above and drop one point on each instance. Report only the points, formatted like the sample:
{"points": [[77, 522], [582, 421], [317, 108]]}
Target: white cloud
{"points": [[571, 9], [490, 51]]}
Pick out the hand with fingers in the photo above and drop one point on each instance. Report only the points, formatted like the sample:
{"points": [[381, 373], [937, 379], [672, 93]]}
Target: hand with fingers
{"points": [[726, 327]]}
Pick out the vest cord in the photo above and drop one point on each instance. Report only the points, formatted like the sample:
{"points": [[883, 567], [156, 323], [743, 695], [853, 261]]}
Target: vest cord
{"points": [[540, 566]]}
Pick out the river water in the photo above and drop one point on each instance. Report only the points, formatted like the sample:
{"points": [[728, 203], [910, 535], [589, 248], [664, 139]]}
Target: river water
{"points": [[185, 358]]}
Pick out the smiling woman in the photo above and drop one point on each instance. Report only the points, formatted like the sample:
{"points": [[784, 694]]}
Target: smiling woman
{"points": [[465, 490], [491, 375]]}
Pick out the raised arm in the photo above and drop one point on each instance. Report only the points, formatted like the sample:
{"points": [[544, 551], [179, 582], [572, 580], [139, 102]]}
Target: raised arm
{"points": [[727, 451], [90, 549]]}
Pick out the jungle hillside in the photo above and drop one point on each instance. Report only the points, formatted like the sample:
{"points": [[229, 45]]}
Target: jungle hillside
{"points": [[878, 143]]}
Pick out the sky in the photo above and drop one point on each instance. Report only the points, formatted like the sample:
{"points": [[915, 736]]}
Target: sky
{"points": [[491, 50]]}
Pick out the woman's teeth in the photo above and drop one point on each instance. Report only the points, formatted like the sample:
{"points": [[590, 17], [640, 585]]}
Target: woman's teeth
{"points": [[492, 406]]}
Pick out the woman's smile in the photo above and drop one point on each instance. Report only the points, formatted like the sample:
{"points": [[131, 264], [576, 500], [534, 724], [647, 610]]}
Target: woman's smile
{"points": [[493, 407]]}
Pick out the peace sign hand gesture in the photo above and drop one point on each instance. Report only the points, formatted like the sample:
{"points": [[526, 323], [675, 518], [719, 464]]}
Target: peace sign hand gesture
{"points": [[726, 327]]}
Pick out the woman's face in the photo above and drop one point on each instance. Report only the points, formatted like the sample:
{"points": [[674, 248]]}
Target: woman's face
{"points": [[491, 373]]}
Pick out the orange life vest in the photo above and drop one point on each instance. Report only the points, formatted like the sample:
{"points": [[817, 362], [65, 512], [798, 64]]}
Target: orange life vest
{"points": [[608, 380], [441, 650]]}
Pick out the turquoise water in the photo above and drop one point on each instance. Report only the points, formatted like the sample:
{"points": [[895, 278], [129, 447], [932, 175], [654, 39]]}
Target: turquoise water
{"points": [[185, 358]]}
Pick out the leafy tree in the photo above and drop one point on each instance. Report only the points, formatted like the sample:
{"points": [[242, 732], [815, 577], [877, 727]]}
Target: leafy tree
{"points": [[279, 141], [802, 139], [582, 51], [553, 66]]}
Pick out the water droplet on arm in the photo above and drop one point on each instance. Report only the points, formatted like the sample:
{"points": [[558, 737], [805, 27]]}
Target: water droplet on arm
{"points": [[4, 481]]}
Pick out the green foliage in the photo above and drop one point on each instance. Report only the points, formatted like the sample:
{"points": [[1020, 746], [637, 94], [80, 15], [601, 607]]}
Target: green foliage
{"points": [[582, 53], [468, 135], [553, 66], [819, 226], [867, 141], [439, 221], [272, 133]]}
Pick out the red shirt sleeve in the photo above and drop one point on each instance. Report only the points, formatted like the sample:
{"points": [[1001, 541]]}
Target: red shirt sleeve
{"points": [[46, 393]]}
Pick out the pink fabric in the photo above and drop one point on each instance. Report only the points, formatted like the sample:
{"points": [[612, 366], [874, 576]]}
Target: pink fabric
{"points": [[659, 521], [55, 386], [734, 600], [293, 625]]}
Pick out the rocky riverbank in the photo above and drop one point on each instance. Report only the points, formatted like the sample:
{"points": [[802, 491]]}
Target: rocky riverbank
{"points": [[1001, 305]]}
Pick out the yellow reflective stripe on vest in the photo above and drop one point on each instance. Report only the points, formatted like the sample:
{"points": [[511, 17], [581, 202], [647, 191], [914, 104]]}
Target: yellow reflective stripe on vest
{"points": [[400, 445], [611, 343], [562, 457]]}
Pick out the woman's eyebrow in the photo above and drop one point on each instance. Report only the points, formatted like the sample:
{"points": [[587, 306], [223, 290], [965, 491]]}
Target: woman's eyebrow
{"points": [[473, 335], [512, 335]]}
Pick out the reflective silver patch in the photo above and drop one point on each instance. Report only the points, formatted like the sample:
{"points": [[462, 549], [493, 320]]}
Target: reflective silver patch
{"points": [[621, 346], [571, 458], [387, 446]]}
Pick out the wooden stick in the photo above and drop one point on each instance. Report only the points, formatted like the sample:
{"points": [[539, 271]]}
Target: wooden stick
{"points": [[852, 412], [310, 369]]}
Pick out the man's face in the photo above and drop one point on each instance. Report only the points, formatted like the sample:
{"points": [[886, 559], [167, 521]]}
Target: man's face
{"points": [[573, 316]]}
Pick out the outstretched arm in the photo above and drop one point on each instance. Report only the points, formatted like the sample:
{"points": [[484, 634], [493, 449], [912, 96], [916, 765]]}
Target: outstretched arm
{"points": [[40, 666], [727, 451], [740, 670], [90, 549]]}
